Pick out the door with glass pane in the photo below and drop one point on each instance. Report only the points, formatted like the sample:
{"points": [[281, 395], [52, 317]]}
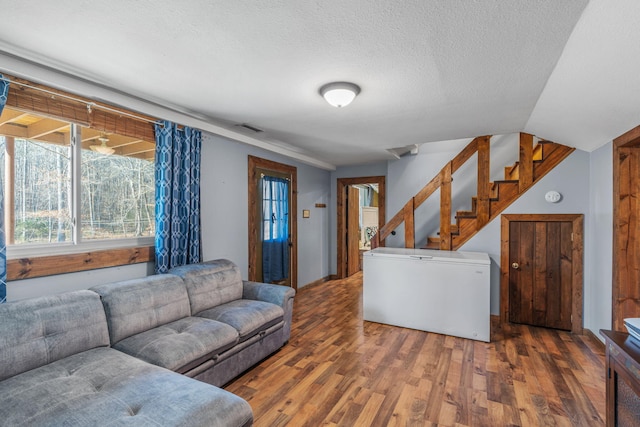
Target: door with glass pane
{"points": [[272, 222]]}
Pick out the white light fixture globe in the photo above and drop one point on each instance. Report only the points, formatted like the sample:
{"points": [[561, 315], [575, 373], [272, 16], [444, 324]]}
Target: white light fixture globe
{"points": [[339, 94], [103, 148]]}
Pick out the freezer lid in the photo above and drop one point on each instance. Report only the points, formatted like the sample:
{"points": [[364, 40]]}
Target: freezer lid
{"points": [[429, 254]]}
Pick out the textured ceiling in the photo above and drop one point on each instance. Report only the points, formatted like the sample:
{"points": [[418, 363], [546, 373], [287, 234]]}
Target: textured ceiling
{"points": [[429, 70]]}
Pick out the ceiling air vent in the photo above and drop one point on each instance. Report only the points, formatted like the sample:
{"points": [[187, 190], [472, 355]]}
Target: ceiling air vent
{"points": [[249, 127]]}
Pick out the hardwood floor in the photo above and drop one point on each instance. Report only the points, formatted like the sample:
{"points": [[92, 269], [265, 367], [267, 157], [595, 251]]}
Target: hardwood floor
{"points": [[339, 370]]}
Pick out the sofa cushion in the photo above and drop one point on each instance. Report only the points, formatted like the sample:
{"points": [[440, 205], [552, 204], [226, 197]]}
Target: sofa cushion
{"points": [[248, 317], [42, 330], [182, 344], [210, 283], [135, 306], [106, 387]]}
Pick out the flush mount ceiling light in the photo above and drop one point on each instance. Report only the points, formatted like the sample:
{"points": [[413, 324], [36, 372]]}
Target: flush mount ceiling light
{"points": [[339, 94], [102, 148]]}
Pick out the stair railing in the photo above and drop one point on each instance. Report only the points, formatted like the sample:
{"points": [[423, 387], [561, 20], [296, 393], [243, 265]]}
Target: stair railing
{"points": [[443, 181], [532, 165]]}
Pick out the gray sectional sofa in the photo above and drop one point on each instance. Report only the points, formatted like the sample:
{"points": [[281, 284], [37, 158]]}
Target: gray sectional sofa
{"points": [[123, 353]]}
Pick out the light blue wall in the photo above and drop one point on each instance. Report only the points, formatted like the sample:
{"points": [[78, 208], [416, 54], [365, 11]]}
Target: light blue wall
{"points": [[29, 288], [598, 296], [224, 195], [585, 182], [225, 215], [569, 178]]}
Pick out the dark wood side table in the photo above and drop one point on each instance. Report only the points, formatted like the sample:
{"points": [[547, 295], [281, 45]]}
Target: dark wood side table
{"points": [[623, 379]]}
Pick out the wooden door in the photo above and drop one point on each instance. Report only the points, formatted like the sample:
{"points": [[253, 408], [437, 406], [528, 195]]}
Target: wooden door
{"points": [[540, 273], [353, 230], [258, 167]]}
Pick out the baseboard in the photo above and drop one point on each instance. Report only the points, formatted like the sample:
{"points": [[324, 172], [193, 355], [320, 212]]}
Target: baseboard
{"points": [[317, 282], [593, 338]]}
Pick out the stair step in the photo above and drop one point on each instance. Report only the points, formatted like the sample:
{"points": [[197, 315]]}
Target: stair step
{"points": [[512, 172], [507, 192], [542, 149], [466, 214], [552, 158], [454, 230], [432, 243]]}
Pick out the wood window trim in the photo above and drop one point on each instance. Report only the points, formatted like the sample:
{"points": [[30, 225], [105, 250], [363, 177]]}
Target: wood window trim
{"points": [[341, 207], [28, 268], [577, 285], [40, 99]]}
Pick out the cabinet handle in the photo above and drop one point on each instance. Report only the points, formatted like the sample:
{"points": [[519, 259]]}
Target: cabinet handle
{"points": [[515, 265]]}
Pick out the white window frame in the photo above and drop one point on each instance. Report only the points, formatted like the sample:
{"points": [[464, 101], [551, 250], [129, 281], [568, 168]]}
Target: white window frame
{"points": [[77, 245]]}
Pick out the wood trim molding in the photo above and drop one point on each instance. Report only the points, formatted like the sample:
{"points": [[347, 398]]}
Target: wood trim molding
{"points": [[577, 285], [28, 268], [341, 208], [625, 259], [254, 164]]}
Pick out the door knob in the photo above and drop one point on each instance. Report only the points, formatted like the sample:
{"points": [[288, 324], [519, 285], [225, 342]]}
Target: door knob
{"points": [[515, 265]]}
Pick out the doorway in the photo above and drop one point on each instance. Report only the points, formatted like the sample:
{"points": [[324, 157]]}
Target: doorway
{"points": [[361, 213], [541, 267], [272, 222]]}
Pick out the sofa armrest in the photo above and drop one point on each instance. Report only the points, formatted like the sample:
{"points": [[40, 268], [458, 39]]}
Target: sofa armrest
{"points": [[275, 294]]}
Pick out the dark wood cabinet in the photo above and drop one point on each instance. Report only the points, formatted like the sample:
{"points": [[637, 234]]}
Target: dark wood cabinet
{"points": [[623, 379]]}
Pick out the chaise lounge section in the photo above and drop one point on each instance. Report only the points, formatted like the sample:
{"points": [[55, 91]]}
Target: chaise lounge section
{"points": [[128, 349], [57, 369]]}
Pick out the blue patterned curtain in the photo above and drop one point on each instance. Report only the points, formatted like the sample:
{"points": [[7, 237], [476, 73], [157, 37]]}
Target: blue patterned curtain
{"points": [[177, 173], [4, 90], [275, 229]]}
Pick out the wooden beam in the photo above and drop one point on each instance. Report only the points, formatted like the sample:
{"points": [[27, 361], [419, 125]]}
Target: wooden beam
{"points": [[9, 115], [409, 227], [21, 132], [484, 170], [25, 268], [45, 127], [525, 162], [90, 137], [445, 207], [426, 191], [465, 154], [129, 150], [391, 225]]}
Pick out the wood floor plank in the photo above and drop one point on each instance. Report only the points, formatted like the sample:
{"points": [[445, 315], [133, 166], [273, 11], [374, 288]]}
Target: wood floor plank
{"points": [[338, 370]]}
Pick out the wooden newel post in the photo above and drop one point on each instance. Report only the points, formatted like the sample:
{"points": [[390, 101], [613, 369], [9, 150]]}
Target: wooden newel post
{"points": [[409, 229], [483, 204], [445, 208]]}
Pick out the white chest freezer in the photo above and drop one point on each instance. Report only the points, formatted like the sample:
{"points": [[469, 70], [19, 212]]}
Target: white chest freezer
{"points": [[447, 292]]}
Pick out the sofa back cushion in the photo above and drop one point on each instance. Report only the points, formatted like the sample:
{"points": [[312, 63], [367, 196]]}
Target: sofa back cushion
{"points": [[38, 331], [210, 283], [135, 306]]}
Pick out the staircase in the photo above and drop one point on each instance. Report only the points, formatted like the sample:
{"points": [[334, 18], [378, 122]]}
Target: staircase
{"points": [[491, 199]]}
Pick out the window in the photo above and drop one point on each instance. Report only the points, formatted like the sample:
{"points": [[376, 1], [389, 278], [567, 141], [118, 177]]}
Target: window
{"points": [[57, 174], [117, 200]]}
